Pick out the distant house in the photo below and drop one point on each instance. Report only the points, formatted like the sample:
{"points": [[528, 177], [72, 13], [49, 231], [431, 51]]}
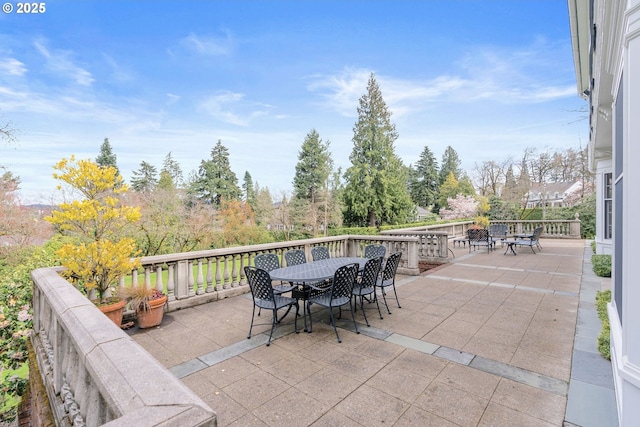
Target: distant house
{"points": [[552, 194], [423, 214]]}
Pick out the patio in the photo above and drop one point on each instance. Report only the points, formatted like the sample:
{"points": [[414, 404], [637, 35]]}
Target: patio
{"points": [[485, 340]]}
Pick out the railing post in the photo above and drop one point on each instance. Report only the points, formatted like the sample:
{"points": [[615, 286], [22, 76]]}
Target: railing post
{"points": [[182, 279]]}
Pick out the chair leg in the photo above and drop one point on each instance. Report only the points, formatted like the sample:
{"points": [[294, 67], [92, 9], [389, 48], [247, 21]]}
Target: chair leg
{"points": [[375, 297], [333, 323], [384, 299], [308, 305], [353, 317], [364, 313], [273, 325], [396, 294], [252, 316]]}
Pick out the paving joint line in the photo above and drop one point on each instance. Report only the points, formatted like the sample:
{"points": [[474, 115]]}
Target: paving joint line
{"points": [[473, 361]]}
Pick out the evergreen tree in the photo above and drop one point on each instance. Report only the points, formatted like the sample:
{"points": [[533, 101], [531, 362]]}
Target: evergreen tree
{"points": [[313, 167], [215, 180], [107, 157], [165, 181], [510, 189], [424, 186], [171, 168], [310, 182], [376, 182], [450, 163], [249, 190], [144, 180]]}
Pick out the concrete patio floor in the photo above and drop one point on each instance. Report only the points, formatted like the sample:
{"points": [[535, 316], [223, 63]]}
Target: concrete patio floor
{"points": [[487, 340]]}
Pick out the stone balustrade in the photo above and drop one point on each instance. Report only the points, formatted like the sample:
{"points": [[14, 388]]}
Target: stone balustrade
{"points": [[194, 278], [94, 373], [552, 229]]}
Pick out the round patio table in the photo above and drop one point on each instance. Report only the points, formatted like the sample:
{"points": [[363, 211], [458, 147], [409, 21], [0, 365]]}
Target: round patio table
{"points": [[315, 271], [313, 276]]}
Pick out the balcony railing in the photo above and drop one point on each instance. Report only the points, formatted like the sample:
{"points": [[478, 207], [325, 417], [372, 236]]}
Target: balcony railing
{"points": [[94, 373]]}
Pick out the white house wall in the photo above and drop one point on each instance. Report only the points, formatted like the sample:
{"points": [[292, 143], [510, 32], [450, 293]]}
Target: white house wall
{"points": [[603, 246], [618, 62]]}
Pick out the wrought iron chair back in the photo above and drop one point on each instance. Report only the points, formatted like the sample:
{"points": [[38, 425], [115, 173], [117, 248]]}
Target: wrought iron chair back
{"points": [[374, 251], [267, 261], [295, 257], [320, 252]]}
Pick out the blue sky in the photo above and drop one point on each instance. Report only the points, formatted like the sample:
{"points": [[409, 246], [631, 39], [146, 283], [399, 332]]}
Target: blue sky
{"points": [[489, 78]]}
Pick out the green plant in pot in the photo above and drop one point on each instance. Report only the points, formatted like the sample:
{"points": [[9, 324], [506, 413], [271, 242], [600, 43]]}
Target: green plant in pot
{"points": [[147, 302], [100, 253]]}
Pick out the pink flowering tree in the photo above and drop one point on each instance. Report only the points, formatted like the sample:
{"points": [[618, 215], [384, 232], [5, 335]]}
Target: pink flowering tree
{"points": [[460, 207]]}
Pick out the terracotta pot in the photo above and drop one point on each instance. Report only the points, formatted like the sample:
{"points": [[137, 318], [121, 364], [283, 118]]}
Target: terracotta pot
{"points": [[114, 311], [153, 316]]}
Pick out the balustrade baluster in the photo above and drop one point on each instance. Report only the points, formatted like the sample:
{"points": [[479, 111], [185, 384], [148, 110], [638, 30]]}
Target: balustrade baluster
{"points": [[159, 284], [210, 287], [227, 276], [244, 261], [219, 283], [200, 280], [190, 277], [235, 281], [171, 285], [147, 277]]}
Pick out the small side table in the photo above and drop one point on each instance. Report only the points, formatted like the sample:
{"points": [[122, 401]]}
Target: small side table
{"points": [[511, 245]]}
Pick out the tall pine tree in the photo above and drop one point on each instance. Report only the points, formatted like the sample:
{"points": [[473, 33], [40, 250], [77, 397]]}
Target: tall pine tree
{"points": [[144, 180], [310, 182], [107, 157], [424, 187], [215, 180], [376, 182], [450, 163]]}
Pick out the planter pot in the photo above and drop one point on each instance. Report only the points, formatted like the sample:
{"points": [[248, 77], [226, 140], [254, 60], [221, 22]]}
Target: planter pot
{"points": [[114, 311], [153, 316]]}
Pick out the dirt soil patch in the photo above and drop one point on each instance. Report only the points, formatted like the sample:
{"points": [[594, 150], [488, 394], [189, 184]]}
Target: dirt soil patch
{"points": [[425, 266]]}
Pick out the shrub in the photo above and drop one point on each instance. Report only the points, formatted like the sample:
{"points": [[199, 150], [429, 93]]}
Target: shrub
{"points": [[604, 345], [593, 246], [601, 264]]}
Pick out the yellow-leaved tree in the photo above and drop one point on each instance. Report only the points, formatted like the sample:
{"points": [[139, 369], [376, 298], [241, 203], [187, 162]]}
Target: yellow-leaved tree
{"points": [[100, 252]]}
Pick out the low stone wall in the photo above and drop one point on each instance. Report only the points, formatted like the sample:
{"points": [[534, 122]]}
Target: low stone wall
{"points": [[95, 374]]}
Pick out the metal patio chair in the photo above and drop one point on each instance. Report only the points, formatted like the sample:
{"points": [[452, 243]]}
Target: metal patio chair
{"points": [[388, 278], [366, 286], [338, 296], [264, 297]]}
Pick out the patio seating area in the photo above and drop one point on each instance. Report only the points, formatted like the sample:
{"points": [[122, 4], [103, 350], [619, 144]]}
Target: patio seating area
{"points": [[485, 340]]}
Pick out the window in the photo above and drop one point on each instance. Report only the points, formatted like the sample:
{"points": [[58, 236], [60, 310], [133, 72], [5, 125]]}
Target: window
{"points": [[608, 205]]}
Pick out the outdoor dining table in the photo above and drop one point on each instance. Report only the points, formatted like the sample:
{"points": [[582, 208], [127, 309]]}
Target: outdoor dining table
{"points": [[313, 275]]}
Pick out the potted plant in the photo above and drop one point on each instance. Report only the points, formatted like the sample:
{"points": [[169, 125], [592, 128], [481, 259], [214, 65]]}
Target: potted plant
{"points": [[99, 253], [148, 304]]}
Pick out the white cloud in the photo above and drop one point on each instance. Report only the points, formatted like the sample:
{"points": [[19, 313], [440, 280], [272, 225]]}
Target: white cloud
{"points": [[209, 45], [230, 107], [12, 67], [485, 74], [119, 73], [60, 63]]}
